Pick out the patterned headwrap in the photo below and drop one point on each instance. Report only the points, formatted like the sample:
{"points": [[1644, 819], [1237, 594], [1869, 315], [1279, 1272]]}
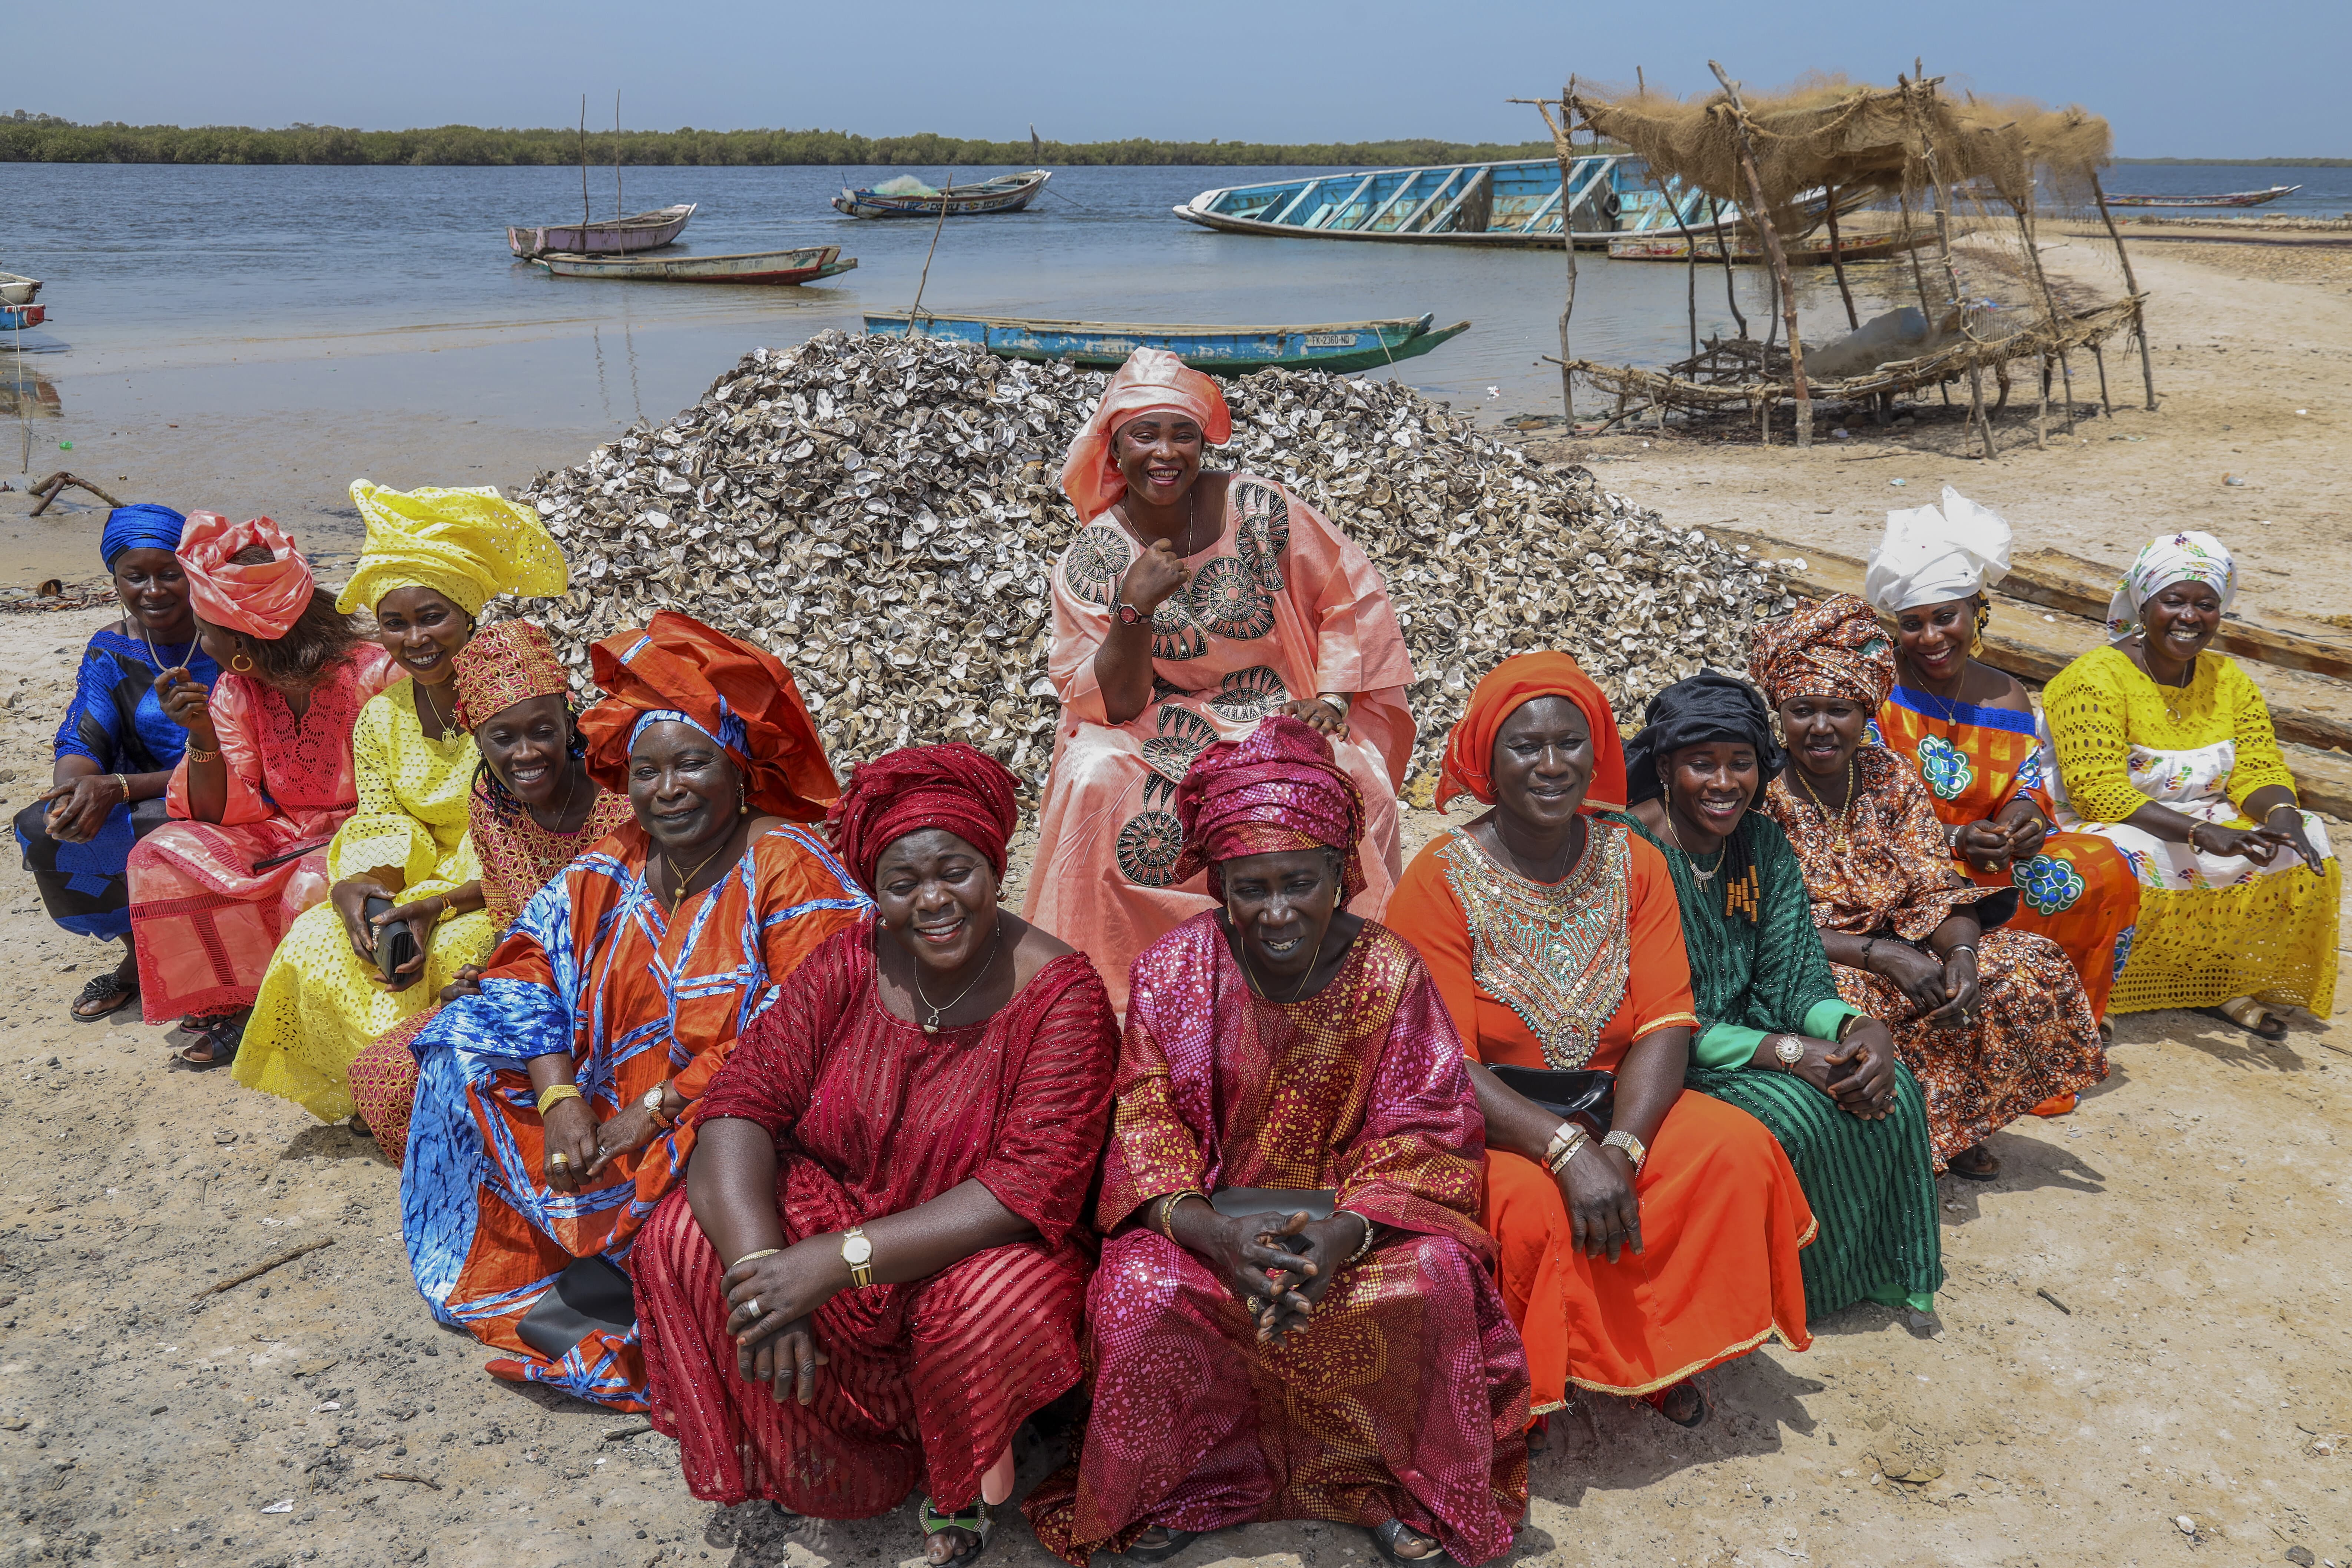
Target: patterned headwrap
{"points": [[1509, 686], [1276, 789], [953, 786], [263, 600], [144, 526], [2169, 559], [467, 545], [1153, 380], [1834, 648], [1703, 707], [740, 696], [1930, 556], [500, 665]]}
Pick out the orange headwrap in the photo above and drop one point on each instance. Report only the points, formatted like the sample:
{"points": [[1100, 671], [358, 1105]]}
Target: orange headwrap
{"points": [[739, 695], [1153, 380], [1510, 686], [263, 600]]}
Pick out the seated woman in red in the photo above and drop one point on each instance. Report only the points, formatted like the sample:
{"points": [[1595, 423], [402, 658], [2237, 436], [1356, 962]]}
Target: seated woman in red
{"points": [[873, 1275]]}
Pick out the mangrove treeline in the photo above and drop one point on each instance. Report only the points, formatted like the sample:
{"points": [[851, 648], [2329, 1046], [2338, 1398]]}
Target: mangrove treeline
{"points": [[46, 140]]}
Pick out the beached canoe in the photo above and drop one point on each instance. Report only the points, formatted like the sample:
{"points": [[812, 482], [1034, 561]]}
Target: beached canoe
{"points": [[605, 237], [2224, 199], [805, 264], [15, 317], [18, 291], [1223, 351], [906, 196]]}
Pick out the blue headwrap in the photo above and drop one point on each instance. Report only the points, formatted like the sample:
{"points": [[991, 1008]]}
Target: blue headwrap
{"points": [[731, 735], [142, 527]]}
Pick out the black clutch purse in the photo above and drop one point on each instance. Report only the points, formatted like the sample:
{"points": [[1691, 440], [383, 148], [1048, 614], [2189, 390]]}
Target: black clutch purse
{"points": [[1586, 1096], [590, 1294], [395, 944], [1281, 1202]]}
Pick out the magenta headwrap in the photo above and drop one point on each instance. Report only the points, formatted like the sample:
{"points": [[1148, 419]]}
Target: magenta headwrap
{"points": [[263, 600], [1278, 789], [952, 785]]}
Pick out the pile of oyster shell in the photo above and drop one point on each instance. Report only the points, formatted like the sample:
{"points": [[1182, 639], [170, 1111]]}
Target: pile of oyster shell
{"points": [[882, 515]]}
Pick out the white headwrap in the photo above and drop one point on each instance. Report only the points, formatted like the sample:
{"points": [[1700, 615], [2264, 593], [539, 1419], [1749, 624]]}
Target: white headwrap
{"points": [[1929, 557], [2170, 558]]}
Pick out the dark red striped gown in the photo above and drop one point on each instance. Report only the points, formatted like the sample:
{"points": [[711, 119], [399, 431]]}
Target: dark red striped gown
{"points": [[927, 1381]]}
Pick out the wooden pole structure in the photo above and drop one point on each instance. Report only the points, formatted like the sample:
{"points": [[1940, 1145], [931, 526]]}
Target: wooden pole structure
{"points": [[1690, 258], [1773, 254], [914, 311], [2139, 311], [618, 208], [2100, 359], [1911, 91], [2049, 301], [583, 168], [1837, 265], [1559, 135], [1723, 248]]}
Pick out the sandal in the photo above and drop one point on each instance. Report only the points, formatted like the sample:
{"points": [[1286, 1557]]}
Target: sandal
{"points": [[1388, 1531], [221, 1037], [973, 1521], [1177, 1540], [2250, 1016], [1981, 1165], [110, 988], [1657, 1402]]}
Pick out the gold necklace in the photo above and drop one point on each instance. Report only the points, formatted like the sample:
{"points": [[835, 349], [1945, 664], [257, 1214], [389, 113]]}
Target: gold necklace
{"points": [[690, 876], [571, 783], [1841, 828], [995, 940], [1676, 839], [449, 724], [1250, 975], [2171, 704]]}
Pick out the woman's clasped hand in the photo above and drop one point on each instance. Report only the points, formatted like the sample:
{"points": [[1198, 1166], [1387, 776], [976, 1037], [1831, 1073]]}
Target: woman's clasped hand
{"points": [[1278, 1286]]}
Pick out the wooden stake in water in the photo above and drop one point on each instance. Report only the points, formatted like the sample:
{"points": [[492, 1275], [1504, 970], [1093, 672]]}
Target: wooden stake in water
{"points": [[618, 208], [584, 171], [1559, 135], [914, 325]]}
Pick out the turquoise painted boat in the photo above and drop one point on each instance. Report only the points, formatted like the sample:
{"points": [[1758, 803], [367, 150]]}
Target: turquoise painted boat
{"points": [[1608, 196], [1221, 351]]}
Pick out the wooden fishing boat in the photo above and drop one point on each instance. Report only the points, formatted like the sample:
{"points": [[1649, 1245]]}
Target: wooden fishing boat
{"points": [[18, 291], [1002, 194], [805, 264], [1745, 252], [2224, 199], [605, 237], [1222, 351], [14, 318]]}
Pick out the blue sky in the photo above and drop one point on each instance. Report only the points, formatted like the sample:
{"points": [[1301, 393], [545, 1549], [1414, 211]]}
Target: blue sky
{"points": [[2175, 78]]}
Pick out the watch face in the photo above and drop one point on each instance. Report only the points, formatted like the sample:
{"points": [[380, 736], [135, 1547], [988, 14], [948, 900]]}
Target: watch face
{"points": [[856, 1249], [1791, 1051]]}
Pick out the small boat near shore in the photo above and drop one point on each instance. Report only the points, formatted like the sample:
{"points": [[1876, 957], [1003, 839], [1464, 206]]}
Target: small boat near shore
{"points": [[2223, 199], [15, 318], [605, 237], [1219, 349], [805, 263], [906, 196], [18, 291]]}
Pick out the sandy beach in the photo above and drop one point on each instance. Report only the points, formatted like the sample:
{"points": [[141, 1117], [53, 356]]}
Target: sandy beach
{"points": [[2141, 1355]]}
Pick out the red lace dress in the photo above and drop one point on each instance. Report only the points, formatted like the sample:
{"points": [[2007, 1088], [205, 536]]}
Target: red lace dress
{"points": [[205, 914], [927, 1381]]}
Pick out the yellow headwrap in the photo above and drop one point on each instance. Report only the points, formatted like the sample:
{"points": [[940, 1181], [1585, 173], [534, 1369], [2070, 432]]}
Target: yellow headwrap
{"points": [[467, 545]]}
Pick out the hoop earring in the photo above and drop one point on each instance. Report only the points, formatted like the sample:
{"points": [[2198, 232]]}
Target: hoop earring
{"points": [[239, 663]]}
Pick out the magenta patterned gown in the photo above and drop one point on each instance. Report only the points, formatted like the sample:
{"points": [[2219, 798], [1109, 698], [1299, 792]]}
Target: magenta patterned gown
{"points": [[1407, 1396]]}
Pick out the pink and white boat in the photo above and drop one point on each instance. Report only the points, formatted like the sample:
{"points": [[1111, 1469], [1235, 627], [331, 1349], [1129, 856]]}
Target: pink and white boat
{"points": [[605, 237]]}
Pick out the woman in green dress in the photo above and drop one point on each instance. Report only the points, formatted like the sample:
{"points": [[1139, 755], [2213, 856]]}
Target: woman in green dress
{"points": [[1775, 1039]]}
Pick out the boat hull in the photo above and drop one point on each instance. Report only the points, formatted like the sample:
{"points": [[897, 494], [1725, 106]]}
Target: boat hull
{"points": [[2225, 199], [612, 237], [803, 265], [19, 289], [1866, 248], [15, 317], [1339, 346], [958, 204]]}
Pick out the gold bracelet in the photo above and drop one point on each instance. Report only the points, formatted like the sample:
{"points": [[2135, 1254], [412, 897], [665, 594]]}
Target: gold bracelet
{"points": [[196, 753], [125, 782], [1168, 1207], [555, 1091], [1363, 1247], [763, 1252]]}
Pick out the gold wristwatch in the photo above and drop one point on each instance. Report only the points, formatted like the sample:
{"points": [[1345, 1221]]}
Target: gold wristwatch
{"points": [[1791, 1050], [858, 1253]]}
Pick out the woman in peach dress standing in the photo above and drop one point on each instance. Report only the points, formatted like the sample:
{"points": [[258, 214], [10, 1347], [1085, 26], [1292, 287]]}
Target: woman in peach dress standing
{"points": [[1193, 605]]}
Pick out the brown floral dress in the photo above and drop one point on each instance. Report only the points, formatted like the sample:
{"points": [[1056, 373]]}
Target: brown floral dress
{"points": [[1882, 870]]}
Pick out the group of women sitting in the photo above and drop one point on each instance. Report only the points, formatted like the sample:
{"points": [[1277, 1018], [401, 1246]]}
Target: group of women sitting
{"points": [[1306, 1182]]}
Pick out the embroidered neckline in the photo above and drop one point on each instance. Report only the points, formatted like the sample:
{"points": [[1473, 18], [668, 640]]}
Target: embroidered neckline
{"points": [[1558, 953]]}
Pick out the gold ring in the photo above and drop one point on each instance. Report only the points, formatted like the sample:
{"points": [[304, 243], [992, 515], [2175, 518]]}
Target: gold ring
{"points": [[559, 1158], [1255, 1306]]}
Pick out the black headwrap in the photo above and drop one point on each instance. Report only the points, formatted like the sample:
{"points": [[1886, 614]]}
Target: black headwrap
{"points": [[1707, 707]]}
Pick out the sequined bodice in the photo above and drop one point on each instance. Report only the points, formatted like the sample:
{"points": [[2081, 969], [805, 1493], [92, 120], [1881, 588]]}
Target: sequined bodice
{"points": [[1558, 953]]}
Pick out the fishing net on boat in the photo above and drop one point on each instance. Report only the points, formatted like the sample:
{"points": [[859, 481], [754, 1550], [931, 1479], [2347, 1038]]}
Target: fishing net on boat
{"points": [[904, 186]]}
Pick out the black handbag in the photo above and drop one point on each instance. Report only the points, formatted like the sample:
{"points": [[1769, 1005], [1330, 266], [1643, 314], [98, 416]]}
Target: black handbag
{"points": [[591, 1293], [1234, 1203], [1586, 1096], [395, 944]]}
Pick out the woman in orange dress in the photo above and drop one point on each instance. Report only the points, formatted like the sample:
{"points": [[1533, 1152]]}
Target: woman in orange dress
{"points": [[1971, 733], [550, 1115], [1629, 1263], [1194, 605]]}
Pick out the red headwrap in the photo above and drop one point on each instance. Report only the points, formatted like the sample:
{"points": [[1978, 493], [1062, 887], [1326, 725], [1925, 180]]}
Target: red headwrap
{"points": [[504, 664], [952, 787], [1278, 789], [1834, 648], [263, 600], [739, 694], [1153, 380], [1509, 686]]}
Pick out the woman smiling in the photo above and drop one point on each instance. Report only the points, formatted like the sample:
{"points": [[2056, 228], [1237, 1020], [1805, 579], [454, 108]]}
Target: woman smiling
{"points": [[432, 558], [875, 1274], [2166, 751]]}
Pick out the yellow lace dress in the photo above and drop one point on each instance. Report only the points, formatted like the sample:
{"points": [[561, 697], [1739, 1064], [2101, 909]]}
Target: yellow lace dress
{"points": [[318, 1007], [2211, 927]]}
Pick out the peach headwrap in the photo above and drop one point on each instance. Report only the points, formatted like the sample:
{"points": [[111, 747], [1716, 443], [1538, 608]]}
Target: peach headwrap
{"points": [[263, 600], [1153, 380]]}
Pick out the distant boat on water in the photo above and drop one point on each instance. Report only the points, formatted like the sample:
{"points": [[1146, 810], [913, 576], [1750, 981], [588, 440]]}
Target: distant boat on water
{"points": [[907, 197], [2224, 199], [807, 264], [605, 237], [1220, 349]]}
